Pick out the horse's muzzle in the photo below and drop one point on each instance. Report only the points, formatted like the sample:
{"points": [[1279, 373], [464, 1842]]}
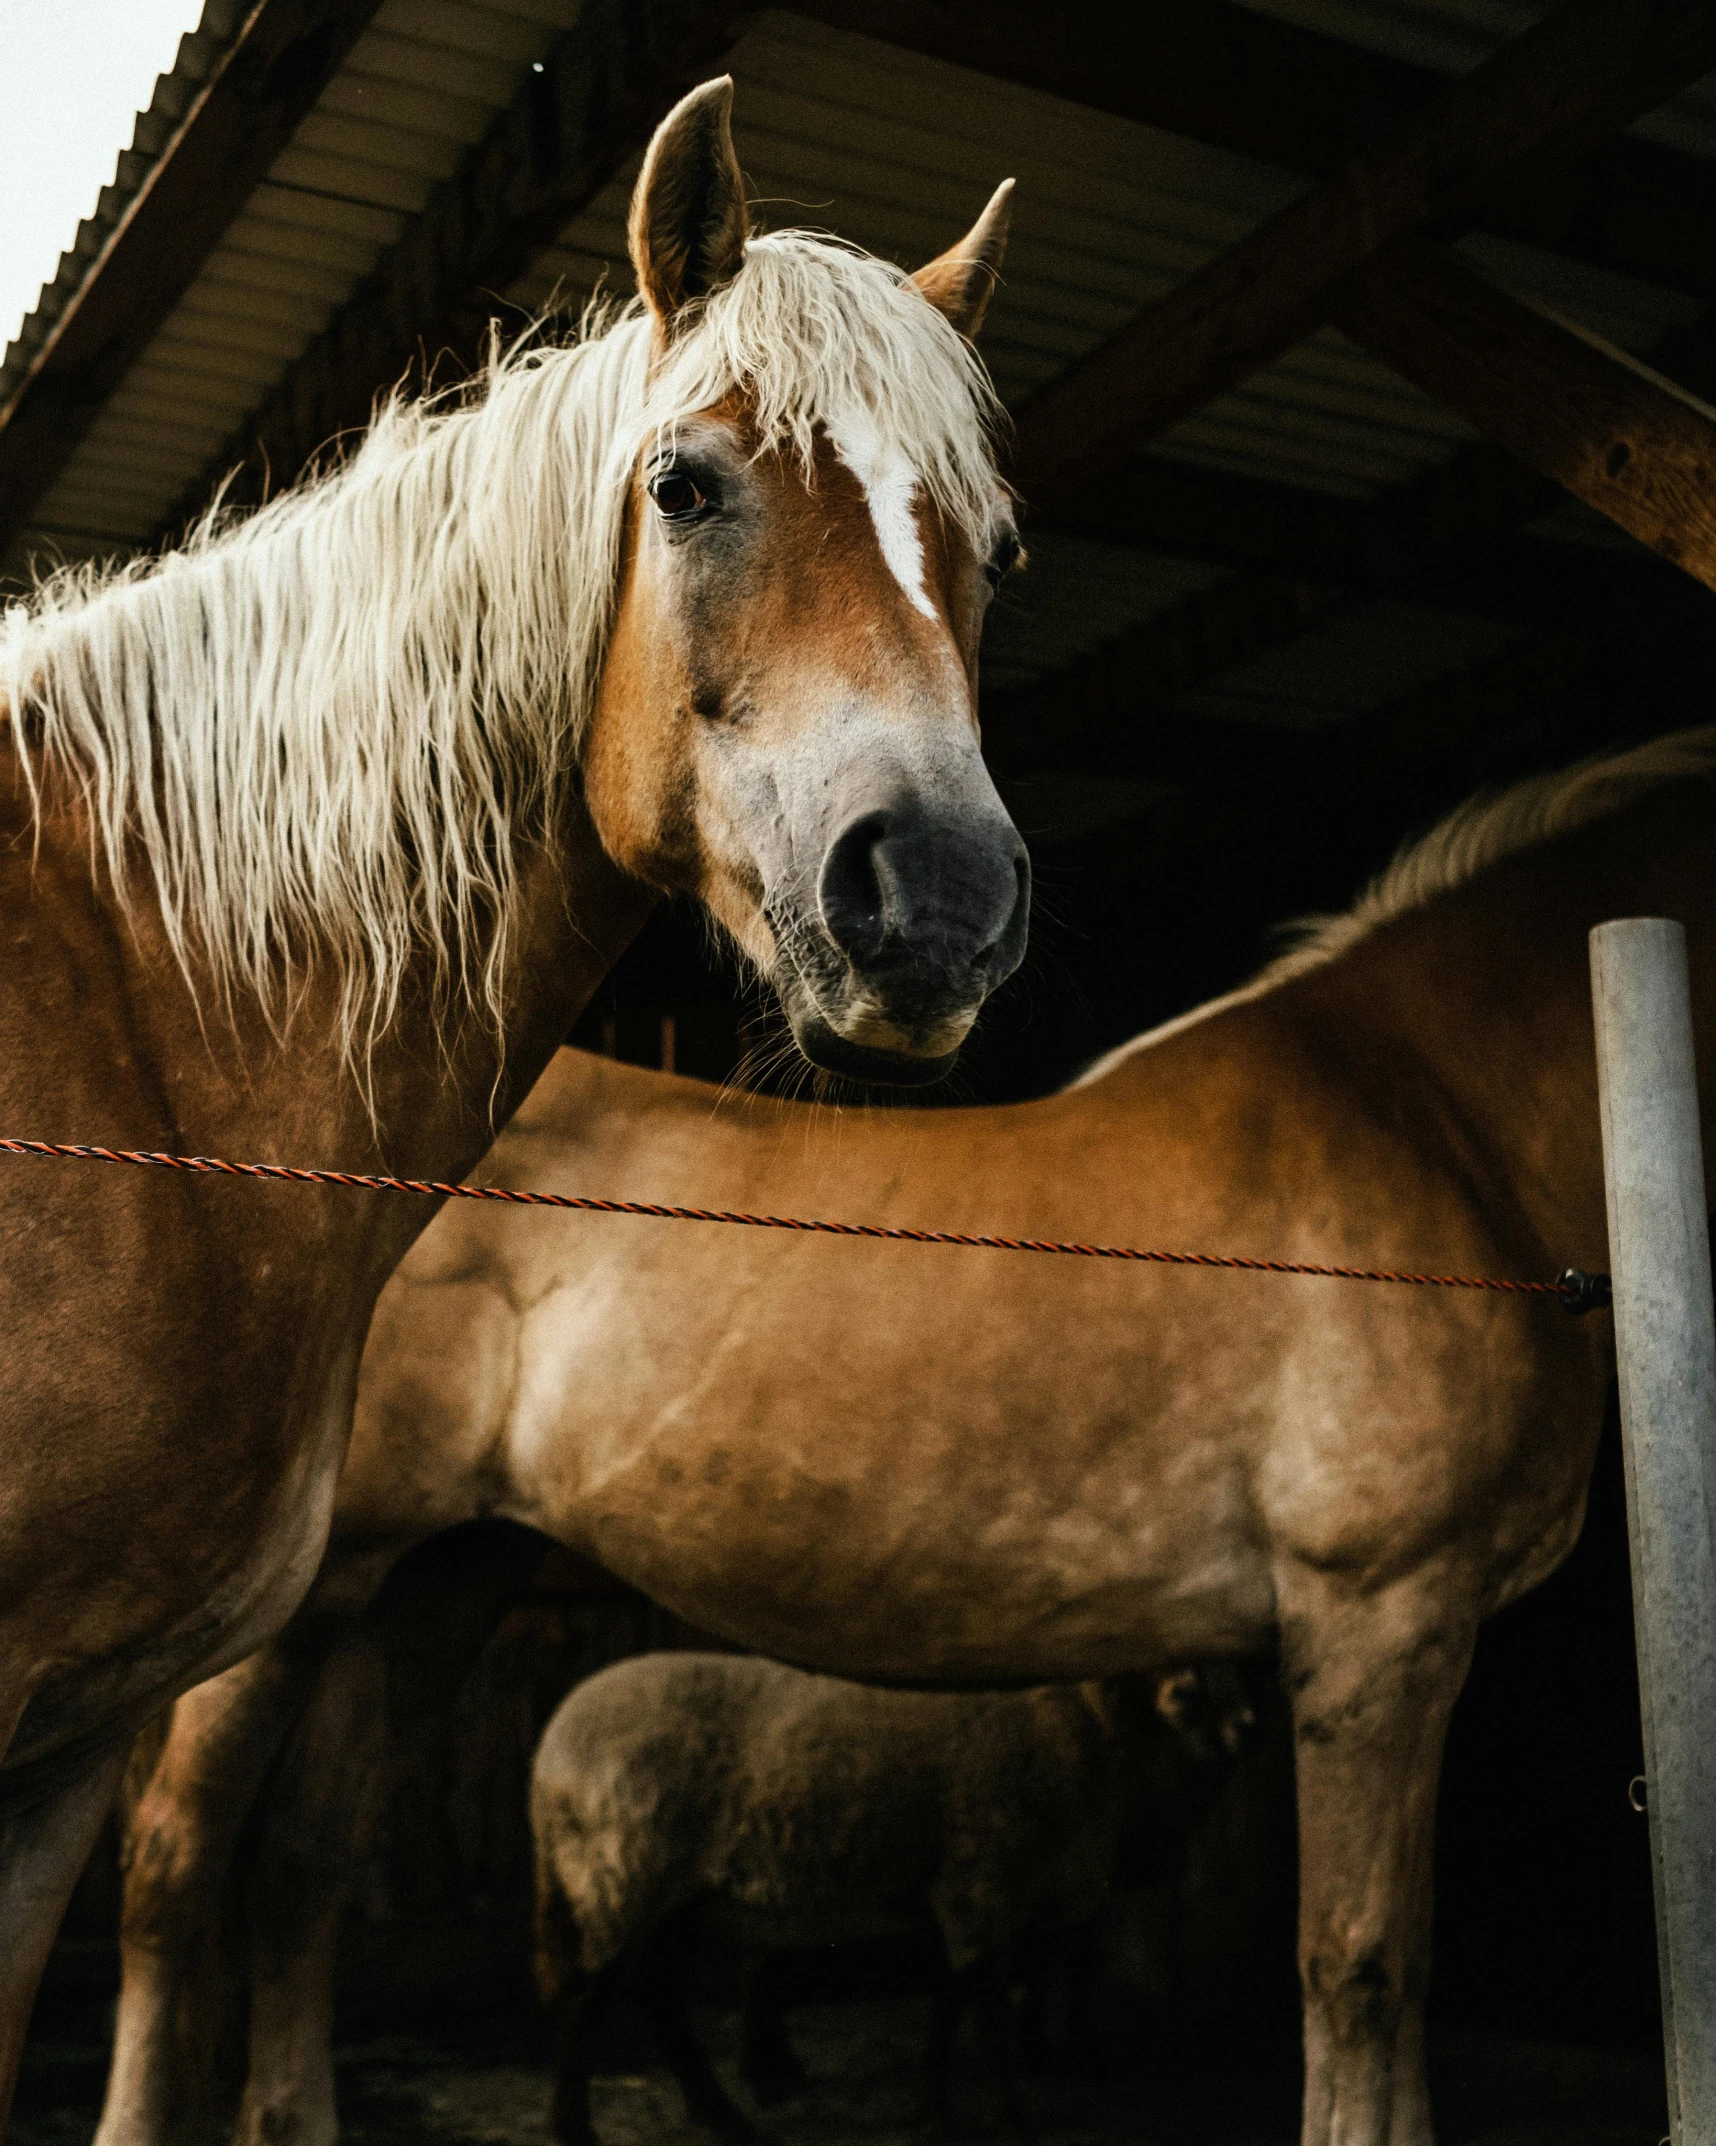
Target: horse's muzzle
{"points": [[920, 914]]}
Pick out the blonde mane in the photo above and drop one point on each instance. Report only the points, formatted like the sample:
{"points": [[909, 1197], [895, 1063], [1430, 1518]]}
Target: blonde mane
{"points": [[1475, 836], [329, 731], [1484, 830]]}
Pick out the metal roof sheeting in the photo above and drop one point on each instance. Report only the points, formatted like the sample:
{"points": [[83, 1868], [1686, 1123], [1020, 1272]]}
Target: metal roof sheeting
{"points": [[1072, 595], [898, 153], [1351, 666], [200, 51], [419, 87]]}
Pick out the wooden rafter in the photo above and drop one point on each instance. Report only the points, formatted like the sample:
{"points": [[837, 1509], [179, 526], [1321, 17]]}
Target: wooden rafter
{"points": [[1448, 537], [1299, 97], [1095, 714], [1257, 525], [1582, 74], [1610, 430], [1206, 67], [1220, 73], [1097, 719]]}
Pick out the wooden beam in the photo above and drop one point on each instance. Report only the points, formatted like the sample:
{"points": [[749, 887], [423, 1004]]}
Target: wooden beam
{"points": [[1446, 536], [1613, 432], [1094, 715], [1189, 66], [1416, 750], [602, 87], [1250, 524], [1582, 74], [1220, 73], [239, 121], [1456, 508]]}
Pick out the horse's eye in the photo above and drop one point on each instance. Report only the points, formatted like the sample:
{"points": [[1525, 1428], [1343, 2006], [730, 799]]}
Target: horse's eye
{"points": [[675, 495], [1006, 555]]}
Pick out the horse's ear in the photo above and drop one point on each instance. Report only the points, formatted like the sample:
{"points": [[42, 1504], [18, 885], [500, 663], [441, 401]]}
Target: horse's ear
{"points": [[961, 282], [688, 222]]}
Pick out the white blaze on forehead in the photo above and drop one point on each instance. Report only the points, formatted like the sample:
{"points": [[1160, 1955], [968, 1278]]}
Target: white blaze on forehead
{"points": [[890, 489]]}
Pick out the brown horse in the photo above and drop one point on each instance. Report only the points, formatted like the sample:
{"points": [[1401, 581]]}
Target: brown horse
{"points": [[319, 831], [938, 1465]]}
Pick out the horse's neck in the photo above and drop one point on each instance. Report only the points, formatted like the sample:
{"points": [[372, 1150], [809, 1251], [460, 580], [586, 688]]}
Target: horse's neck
{"points": [[1442, 1063], [576, 914], [422, 1102], [1477, 1010]]}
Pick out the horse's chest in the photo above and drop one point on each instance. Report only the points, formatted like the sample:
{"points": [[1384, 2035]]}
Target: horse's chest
{"points": [[111, 1654]]}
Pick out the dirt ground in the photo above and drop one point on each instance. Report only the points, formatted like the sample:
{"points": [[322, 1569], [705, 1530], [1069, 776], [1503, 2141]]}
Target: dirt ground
{"points": [[485, 2082]]}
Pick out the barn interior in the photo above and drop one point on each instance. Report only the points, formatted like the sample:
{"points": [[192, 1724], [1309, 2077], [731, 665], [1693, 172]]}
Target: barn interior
{"points": [[1354, 351]]}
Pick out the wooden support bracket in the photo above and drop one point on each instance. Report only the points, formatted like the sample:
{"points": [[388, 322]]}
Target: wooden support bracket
{"points": [[1614, 433], [1584, 73]]}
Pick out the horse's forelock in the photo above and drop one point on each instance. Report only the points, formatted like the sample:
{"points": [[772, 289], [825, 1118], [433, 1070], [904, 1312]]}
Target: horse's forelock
{"points": [[820, 336]]}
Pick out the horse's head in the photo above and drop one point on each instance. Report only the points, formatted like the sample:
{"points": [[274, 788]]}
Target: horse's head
{"points": [[785, 724]]}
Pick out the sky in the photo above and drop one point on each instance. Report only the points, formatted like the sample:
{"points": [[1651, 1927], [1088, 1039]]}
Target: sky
{"points": [[74, 73]]}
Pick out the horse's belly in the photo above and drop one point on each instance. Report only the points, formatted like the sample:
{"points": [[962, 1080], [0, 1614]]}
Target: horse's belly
{"points": [[793, 1923], [878, 1579], [889, 1483]]}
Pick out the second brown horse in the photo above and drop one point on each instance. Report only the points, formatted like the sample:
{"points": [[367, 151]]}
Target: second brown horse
{"points": [[938, 1465]]}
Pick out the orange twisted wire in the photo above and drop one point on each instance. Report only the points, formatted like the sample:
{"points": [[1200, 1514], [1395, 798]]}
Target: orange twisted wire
{"points": [[1578, 1291]]}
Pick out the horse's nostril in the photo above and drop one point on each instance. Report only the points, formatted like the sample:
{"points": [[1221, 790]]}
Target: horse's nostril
{"points": [[901, 888], [1008, 942], [852, 894]]}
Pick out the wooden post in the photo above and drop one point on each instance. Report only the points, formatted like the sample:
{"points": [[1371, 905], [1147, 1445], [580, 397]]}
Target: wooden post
{"points": [[1659, 1251]]}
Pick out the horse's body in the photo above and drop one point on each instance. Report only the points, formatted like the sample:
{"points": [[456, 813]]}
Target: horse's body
{"points": [[315, 835], [938, 1465]]}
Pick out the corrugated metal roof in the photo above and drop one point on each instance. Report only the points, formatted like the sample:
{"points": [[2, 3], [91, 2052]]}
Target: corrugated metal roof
{"points": [[1072, 596], [897, 152], [420, 86], [200, 51], [1351, 666]]}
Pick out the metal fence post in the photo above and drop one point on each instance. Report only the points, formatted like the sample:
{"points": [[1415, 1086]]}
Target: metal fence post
{"points": [[1659, 1251]]}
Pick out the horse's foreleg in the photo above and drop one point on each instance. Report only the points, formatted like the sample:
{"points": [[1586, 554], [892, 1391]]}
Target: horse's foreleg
{"points": [[581, 2004], [47, 1827], [178, 1848], [1373, 1680], [320, 1812], [396, 1671]]}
